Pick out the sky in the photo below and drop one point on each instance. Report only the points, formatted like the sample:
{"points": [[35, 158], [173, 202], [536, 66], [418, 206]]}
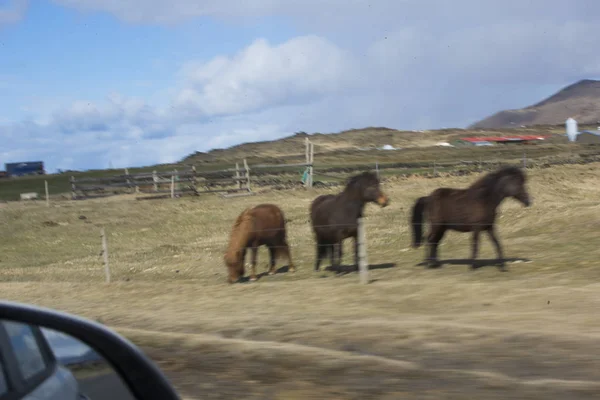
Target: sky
{"points": [[88, 84]]}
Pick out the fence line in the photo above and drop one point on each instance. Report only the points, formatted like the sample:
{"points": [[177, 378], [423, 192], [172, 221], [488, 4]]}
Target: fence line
{"points": [[238, 181], [178, 182], [185, 181]]}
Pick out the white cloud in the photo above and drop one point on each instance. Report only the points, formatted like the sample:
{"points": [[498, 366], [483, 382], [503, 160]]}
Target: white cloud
{"points": [[13, 11], [262, 75]]}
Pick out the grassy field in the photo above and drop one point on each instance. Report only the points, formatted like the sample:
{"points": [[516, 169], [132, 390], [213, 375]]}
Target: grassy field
{"points": [[447, 333]]}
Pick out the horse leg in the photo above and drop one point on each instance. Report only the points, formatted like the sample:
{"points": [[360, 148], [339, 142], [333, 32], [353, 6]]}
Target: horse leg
{"points": [[272, 259], [492, 234], [433, 240], [254, 257], [474, 248], [321, 253], [244, 264], [288, 255], [332, 255]]}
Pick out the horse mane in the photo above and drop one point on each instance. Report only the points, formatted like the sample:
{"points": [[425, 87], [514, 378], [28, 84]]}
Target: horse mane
{"points": [[487, 183], [356, 181], [239, 235]]}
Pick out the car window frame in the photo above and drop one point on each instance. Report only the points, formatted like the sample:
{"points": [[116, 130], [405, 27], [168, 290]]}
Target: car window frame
{"points": [[19, 386]]}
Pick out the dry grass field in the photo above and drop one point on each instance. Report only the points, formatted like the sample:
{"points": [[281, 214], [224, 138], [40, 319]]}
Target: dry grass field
{"points": [[449, 333]]}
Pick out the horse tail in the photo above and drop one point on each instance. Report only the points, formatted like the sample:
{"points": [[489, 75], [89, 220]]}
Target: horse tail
{"points": [[238, 239], [417, 221]]}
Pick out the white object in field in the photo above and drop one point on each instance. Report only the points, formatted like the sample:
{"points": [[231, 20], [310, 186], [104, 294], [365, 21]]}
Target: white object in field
{"points": [[571, 129], [29, 196]]}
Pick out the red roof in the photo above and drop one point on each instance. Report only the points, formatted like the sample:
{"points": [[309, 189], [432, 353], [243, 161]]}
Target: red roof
{"points": [[504, 138]]}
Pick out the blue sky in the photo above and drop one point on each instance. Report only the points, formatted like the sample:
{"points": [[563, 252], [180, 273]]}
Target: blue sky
{"points": [[88, 83]]}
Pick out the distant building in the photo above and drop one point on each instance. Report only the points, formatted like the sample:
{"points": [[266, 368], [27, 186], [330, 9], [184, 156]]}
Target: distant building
{"points": [[25, 168], [491, 140], [571, 126]]}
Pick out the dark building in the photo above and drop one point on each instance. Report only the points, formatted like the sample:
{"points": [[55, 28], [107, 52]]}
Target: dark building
{"points": [[490, 140], [25, 168]]}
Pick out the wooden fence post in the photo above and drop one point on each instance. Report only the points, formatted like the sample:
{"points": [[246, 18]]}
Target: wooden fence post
{"points": [[127, 179], [194, 179], [172, 186], [363, 263], [307, 150], [73, 189], [307, 161], [47, 194], [312, 158], [177, 186], [247, 175], [155, 180], [238, 176], [105, 255]]}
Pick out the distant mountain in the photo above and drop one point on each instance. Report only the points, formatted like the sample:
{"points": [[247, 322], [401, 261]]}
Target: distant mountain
{"points": [[580, 100]]}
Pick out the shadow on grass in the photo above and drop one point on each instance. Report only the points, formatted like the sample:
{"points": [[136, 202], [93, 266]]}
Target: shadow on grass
{"points": [[479, 263], [280, 270], [340, 270], [346, 269]]}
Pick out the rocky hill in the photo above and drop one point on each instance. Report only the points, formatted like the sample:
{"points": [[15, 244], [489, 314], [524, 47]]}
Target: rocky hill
{"points": [[580, 100]]}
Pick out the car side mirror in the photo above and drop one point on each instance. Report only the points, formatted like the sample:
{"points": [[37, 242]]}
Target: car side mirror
{"points": [[45, 349]]}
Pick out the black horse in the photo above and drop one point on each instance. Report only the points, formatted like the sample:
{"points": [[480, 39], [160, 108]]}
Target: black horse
{"points": [[467, 210], [335, 217]]}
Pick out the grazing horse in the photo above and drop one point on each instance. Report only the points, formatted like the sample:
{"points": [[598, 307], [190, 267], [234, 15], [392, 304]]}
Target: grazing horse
{"points": [[467, 210], [263, 224], [334, 217]]}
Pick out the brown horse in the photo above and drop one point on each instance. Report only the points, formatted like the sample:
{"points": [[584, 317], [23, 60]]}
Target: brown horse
{"points": [[263, 224], [334, 217], [467, 210]]}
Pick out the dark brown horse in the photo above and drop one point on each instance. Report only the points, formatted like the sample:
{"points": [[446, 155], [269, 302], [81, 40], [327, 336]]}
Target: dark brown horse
{"points": [[467, 210], [334, 217], [256, 226]]}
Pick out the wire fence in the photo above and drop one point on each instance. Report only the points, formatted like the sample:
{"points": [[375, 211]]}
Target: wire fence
{"points": [[284, 176]]}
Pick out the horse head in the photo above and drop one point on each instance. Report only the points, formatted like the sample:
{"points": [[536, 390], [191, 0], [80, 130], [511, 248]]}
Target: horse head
{"points": [[511, 183], [366, 187]]}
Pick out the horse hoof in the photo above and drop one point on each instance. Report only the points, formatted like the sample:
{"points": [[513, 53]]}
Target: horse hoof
{"points": [[252, 279], [271, 272]]}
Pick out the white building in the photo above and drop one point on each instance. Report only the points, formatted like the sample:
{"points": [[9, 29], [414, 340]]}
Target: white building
{"points": [[571, 129]]}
